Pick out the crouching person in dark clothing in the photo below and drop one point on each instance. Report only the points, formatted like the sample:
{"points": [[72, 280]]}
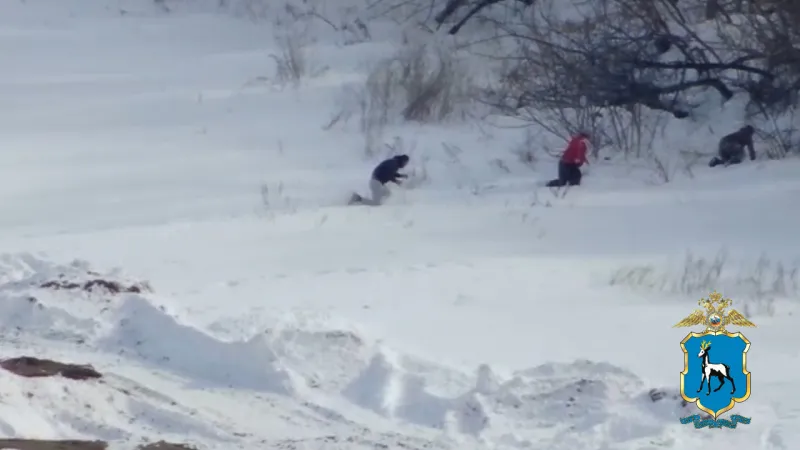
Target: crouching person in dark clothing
{"points": [[569, 167], [386, 172], [731, 148]]}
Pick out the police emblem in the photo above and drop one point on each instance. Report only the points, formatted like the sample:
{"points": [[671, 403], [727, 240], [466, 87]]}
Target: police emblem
{"points": [[715, 376]]}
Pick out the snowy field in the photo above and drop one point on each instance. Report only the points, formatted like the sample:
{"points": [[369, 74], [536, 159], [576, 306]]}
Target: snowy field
{"points": [[472, 311]]}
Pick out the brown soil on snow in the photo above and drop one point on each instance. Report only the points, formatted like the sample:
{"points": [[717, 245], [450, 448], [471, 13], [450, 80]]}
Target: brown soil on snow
{"points": [[36, 444], [39, 444], [112, 287], [165, 446], [30, 367]]}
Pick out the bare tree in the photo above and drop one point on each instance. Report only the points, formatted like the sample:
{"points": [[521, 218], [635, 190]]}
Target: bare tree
{"points": [[453, 13], [598, 69], [473, 7], [620, 55], [769, 30]]}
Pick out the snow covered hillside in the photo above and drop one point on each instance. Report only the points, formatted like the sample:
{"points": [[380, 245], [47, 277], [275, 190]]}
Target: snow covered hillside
{"points": [[172, 213]]}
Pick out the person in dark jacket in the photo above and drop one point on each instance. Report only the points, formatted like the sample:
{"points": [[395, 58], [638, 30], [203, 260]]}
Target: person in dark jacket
{"points": [[569, 167], [731, 147], [386, 172]]}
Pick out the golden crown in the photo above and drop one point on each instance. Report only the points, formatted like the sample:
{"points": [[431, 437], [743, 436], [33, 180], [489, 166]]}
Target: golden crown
{"points": [[715, 303]]}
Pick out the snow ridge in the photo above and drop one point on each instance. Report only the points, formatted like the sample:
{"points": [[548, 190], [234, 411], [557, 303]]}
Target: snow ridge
{"points": [[558, 404]]}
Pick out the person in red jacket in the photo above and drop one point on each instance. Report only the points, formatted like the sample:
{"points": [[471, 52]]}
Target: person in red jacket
{"points": [[569, 167]]}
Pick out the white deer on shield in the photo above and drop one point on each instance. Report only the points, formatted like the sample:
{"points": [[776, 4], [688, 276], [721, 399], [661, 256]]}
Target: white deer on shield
{"points": [[720, 371]]}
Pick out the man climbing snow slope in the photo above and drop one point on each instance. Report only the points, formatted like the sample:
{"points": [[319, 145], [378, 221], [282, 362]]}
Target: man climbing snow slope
{"points": [[384, 173], [569, 167], [731, 147]]}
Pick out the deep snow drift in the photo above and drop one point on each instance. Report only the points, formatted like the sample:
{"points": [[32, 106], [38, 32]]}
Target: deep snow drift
{"points": [[159, 368], [472, 311]]}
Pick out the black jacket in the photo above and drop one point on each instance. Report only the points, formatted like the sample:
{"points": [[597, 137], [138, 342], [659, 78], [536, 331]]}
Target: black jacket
{"points": [[734, 144], [388, 170]]}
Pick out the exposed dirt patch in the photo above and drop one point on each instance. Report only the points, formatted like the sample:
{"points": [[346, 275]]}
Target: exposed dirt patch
{"points": [[38, 444], [97, 285], [162, 445], [660, 394], [27, 366]]}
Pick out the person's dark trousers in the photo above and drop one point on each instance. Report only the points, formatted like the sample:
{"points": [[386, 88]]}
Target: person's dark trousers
{"points": [[715, 161], [568, 175]]}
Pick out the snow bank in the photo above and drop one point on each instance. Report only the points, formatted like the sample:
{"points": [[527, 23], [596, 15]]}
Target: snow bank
{"points": [[54, 302], [306, 364], [326, 359], [61, 303], [562, 405], [57, 408], [147, 333], [73, 286], [25, 314]]}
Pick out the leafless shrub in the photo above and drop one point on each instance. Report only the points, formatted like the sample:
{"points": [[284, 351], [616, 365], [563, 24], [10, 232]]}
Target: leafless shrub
{"points": [[536, 201], [290, 63], [306, 13], [501, 164], [768, 32], [633, 131], [274, 199], [779, 133], [612, 57], [355, 32], [434, 14], [661, 168], [279, 14], [581, 76], [420, 83], [335, 119], [625, 61], [758, 283], [349, 28], [292, 60], [695, 275], [424, 83], [526, 150]]}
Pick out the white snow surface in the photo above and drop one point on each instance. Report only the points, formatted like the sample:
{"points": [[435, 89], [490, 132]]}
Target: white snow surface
{"points": [[473, 311]]}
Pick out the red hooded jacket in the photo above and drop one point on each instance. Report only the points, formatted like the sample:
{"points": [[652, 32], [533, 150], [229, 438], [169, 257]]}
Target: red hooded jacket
{"points": [[576, 151]]}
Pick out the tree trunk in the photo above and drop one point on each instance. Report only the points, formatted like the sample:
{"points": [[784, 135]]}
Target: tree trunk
{"points": [[712, 9]]}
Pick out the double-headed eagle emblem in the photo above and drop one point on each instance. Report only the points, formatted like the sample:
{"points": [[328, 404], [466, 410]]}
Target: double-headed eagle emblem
{"points": [[714, 316]]}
